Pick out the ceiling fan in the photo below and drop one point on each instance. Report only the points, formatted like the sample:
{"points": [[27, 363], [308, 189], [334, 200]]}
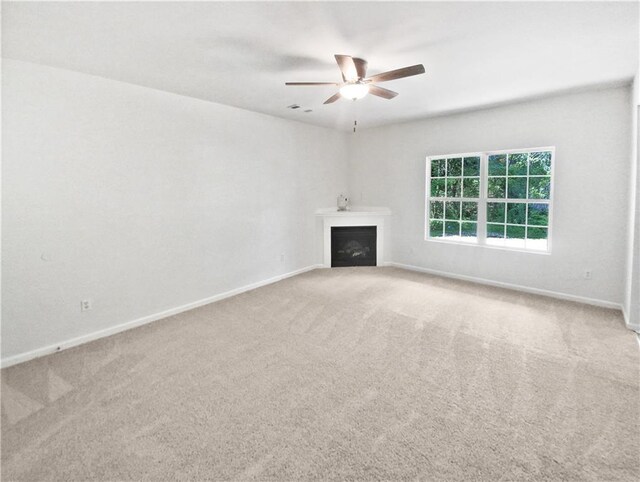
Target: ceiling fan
{"points": [[355, 85]]}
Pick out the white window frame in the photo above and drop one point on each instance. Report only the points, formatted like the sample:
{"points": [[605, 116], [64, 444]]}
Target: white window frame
{"points": [[483, 199]]}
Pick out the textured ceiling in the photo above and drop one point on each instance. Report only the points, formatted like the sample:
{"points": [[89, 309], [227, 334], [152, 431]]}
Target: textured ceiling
{"points": [[476, 54]]}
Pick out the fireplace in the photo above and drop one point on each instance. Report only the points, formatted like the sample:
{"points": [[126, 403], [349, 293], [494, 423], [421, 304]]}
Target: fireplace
{"points": [[372, 218], [353, 246]]}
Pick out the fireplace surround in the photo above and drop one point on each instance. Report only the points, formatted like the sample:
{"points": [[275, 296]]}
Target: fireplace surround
{"points": [[358, 216]]}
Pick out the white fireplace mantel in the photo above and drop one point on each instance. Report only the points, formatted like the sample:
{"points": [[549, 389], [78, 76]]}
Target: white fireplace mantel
{"points": [[356, 216]]}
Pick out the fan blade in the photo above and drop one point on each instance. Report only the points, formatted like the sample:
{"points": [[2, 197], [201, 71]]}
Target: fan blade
{"points": [[380, 92], [333, 98], [347, 67], [311, 83], [361, 67], [397, 74]]}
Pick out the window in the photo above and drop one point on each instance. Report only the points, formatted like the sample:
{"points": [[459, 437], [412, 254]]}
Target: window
{"points": [[498, 199], [455, 191]]}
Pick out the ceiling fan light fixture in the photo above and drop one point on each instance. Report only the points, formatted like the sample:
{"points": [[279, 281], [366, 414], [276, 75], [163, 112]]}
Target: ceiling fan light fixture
{"points": [[354, 91], [356, 84]]}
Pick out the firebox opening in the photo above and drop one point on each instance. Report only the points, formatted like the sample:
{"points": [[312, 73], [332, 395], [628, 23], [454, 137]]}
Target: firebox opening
{"points": [[353, 246]]}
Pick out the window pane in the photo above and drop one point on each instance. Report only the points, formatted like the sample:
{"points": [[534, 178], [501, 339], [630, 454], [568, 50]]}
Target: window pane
{"points": [[518, 164], [452, 228], [437, 210], [538, 215], [471, 187], [452, 210], [471, 166], [516, 232], [540, 163], [515, 237], [539, 187], [495, 212], [517, 187], [517, 214], [454, 167], [495, 230], [537, 238], [537, 233], [497, 186], [498, 165], [454, 187], [469, 230], [438, 168], [469, 211], [436, 229], [437, 187]]}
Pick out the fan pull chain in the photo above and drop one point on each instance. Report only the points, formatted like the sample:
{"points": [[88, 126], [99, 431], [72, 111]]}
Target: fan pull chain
{"points": [[355, 115]]}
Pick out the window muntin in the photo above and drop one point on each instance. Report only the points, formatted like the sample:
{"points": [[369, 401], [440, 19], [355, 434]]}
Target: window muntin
{"points": [[454, 192], [518, 192], [500, 198]]}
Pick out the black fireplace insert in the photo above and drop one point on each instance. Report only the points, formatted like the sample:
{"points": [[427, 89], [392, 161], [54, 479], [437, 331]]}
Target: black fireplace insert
{"points": [[353, 246]]}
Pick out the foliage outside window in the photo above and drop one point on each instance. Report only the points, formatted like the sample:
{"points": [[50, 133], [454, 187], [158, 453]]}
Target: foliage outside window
{"points": [[455, 190], [498, 198]]}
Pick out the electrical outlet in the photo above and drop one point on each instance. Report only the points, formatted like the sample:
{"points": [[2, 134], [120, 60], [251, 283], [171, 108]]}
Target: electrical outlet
{"points": [[85, 305], [282, 257], [587, 274]]}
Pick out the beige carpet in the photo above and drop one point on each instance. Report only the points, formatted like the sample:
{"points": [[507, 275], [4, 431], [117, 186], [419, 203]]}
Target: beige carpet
{"points": [[351, 374]]}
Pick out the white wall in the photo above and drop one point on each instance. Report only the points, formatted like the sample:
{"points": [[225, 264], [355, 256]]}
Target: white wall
{"points": [[632, 294], [591, 132], [142, 201]]}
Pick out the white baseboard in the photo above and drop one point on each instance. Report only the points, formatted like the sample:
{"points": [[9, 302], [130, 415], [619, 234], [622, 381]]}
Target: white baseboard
{"points": [[63, 345], [525, 289], [629, 325]]}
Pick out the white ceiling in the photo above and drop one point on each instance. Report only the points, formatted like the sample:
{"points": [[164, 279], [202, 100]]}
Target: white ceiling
{"points": [[476, 54]]}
